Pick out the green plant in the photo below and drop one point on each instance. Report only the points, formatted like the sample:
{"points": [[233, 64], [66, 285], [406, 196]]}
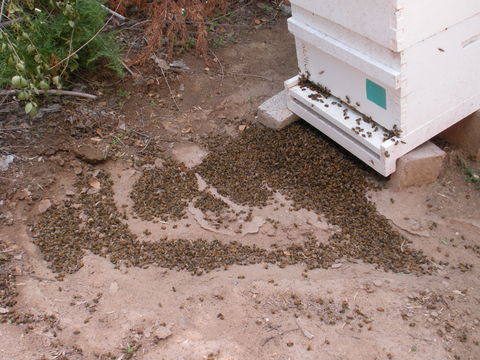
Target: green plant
{"points": [[129, 351], [473, 175], [50, 39], [123, 93], [190, 43], [219, 41]]}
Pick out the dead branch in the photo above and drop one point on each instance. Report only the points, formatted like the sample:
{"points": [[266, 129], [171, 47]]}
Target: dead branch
{"points": [[248, 75], [170, 89], [114, 13], [53, 92], [10, 22], [265, 342], [221, 67]]}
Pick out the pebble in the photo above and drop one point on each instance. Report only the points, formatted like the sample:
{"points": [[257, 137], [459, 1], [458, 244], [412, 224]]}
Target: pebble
{"points": [[89, 153], [163, 333], [113, 287], [44, 205], [69, 193]]}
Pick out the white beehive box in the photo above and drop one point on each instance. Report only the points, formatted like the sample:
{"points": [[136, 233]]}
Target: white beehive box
{"points": [[410, 65]]}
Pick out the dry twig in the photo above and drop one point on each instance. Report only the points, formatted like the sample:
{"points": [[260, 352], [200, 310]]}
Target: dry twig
{"points": [[221, 66], [265, 342], [53, 92], [170, 89]]}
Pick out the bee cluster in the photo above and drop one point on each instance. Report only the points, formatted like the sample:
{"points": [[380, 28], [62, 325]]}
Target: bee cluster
{"points": [[325, 310], [298, 162], [316, 175], [305, 82], [164, 193], [451, 326], [366, 126], [8, 291], [209, 203], [474, 248]]}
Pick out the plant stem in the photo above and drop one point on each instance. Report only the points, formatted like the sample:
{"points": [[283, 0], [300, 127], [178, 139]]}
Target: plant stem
{"points": [[1, 10]]}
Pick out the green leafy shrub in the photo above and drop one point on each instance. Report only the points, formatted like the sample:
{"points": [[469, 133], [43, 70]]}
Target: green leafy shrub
{"points": [[48, 40]]}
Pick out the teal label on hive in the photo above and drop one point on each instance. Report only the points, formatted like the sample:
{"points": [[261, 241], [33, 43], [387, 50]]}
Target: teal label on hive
{"points": [[377, 94]]}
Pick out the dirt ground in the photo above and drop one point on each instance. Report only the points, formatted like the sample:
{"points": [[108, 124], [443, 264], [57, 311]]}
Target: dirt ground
{"points": [[351, 310]]}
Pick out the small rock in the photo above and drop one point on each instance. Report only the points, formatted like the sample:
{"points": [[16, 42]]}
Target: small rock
{"points": [[69, 193], [179, 64], [286, 9], [159, 163], [5, 162], [44, 205], [92, 191], [94, 183], [337, 266], [162, 333], [77, 170], [377, 283], [50, 152], [113, 287], [88, 153], [24, 194], [161, 62], [4, 310]]}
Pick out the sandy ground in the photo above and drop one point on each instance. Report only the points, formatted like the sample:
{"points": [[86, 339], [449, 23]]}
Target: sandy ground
{"points": [[244, 312]]}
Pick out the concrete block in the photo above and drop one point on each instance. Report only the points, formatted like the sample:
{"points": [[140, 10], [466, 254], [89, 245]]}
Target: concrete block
{"points": [[466, 135], [421, 166], [274, 113]]}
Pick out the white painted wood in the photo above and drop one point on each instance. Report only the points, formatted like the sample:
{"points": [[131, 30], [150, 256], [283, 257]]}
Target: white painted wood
{"points": [[333, 109], [362, 60], [441, 74], [434, 76], [344, 72], [394, 24], [425, 55], [373, 151]]}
